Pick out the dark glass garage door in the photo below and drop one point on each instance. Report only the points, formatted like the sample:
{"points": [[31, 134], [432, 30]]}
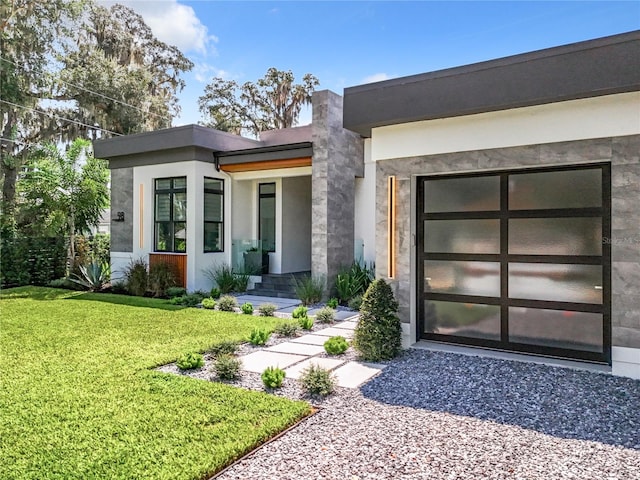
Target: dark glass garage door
{"points": [[517, 260]]}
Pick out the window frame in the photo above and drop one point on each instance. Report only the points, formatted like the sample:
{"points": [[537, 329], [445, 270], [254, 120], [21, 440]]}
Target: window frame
{"points": [[171, 191], [213, 191]]}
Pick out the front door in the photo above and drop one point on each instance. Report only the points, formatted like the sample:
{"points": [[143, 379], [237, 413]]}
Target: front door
{"points": [[517, 260]]}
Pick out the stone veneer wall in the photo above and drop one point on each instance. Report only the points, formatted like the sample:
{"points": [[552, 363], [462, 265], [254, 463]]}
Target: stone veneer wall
{"points": [[122, 201], [338, 157], [622, 152]]}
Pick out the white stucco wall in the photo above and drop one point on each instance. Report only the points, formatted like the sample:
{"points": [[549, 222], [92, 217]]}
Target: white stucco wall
{"points": [[365, 206], [598, 117]]}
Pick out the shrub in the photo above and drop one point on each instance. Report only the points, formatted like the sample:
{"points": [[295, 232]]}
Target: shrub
{"points": [[93, 277], [332, 303], [227, 367], [176, 292], [189, 300], [309, 289], [225, 347], [241, 282], [299, 312], [336, 345], [272, 377], [119, 287], [222, 275], [137, 277], [325, 315], [353, 281], [355, 302], [227, 303], [190, 360], [378, 333], [306, 323], [247, 308], [215, 293], [208, 303], [267, 309], [259, 336], [287, 329], [316, 380], [161, 278]]}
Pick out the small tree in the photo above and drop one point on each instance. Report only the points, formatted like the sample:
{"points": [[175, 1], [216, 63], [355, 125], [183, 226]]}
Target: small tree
{"points": [[378, 334]]}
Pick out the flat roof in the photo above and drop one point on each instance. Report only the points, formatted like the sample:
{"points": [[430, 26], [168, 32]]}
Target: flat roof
{"points": [[603, 66]]}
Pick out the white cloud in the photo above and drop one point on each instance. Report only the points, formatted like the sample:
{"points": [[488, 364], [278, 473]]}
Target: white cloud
{"points": [[173, 23], [203, 72], [376, 77]]}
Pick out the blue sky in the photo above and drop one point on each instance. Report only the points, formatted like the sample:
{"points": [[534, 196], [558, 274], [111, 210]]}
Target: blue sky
{"points": [[350, 43]]}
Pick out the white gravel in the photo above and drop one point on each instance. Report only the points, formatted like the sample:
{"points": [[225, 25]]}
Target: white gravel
{"points": [[433, 415]]}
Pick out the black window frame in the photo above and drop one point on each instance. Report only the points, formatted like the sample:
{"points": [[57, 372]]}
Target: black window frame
{"points": [[260, 197], [213, 191], [505, 258], [172, 190]]}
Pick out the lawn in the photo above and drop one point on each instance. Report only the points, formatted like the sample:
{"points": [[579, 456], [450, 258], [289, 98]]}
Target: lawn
{"points": [[80, 399]]}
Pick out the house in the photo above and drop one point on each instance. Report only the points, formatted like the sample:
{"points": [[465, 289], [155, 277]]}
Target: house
{"points": [[499, 199]]}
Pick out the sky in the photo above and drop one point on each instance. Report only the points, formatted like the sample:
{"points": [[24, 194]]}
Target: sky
{"points": [[348, 43]]}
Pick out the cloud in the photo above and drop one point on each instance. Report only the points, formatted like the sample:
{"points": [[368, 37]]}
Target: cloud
{"points": [[173, 23], [203, 72], [376, 77]]}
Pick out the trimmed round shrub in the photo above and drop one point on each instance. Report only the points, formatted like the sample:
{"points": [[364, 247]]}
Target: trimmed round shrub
{"points": [[316, 380], [227, 367], [258, 336], [287, 329], [306, 323], [228, 347], [227, 303], [267, 309], [299, 312], [247, 308], [336, 345], [378, 335], [208, 303], [189, 361], [273, 377], [326, 315]]}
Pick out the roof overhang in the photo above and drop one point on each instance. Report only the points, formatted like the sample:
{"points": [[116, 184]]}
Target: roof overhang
{"points": [[593, 68]]}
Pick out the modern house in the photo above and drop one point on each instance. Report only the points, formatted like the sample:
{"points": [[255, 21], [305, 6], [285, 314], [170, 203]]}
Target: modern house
{"points": [[500, 199]]}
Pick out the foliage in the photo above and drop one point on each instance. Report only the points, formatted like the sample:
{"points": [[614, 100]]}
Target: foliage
{"points": [[355, 302], [93, 277], [119, 287], [336, 345], [306, 323], [176, 292], [161, 278], [190, 361], [208, 303], [332, 303], [227, 367], [188, 300], [326, 315], [316, 380], [247, 308], [272, 377], [228, 347], [227, 303], [272, 102], [222, 276], [267, 309], [215, 293], [137, 277], [309, 289], [353, 281], [31, 260], [259, 336], [82, 365], [241, 282], [378, 333], [299, 312], [287, 329]]}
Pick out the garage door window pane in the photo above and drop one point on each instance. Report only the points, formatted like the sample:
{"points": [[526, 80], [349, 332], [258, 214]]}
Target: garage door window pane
{"points": [[462, 319], [556, 328], [556, 282], [462, 194], [462, 236], [462, 278], [555, 236], [558, 189]]}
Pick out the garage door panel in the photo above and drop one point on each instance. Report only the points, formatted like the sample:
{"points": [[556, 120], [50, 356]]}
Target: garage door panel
{"points": [[462, 277], [555, 236], [462, 319], [462, 236], [463, 194]]}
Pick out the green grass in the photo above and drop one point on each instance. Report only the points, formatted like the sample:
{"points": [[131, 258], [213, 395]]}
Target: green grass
{"points": [[79, 398]]}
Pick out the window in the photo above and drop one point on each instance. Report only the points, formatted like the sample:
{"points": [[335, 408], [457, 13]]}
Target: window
{"points": [[170, 215], [213, 215], [267, 216]]}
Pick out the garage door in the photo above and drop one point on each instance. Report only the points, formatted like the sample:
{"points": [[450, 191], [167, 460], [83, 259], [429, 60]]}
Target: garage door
{"points": [[517, 260]]}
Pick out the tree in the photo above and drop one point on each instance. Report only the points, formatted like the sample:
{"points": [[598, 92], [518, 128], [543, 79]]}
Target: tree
{"points": [[62, 193], [273, 102]]}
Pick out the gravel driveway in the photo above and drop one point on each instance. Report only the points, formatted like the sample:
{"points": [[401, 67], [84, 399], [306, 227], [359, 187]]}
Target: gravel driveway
{"points": [[434, 415]]}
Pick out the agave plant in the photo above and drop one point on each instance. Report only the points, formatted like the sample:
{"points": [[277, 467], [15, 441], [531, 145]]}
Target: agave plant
{"points": [[93, 276]]}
